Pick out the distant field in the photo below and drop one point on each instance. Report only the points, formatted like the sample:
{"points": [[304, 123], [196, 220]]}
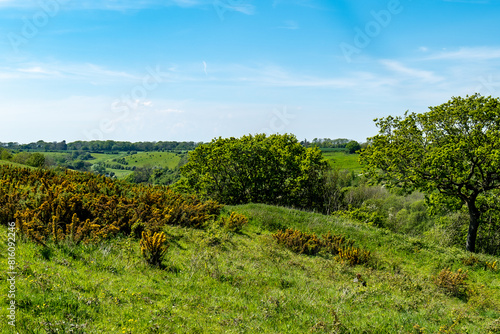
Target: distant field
{"points": [[141, 159], [342, 160], [159, 159]]}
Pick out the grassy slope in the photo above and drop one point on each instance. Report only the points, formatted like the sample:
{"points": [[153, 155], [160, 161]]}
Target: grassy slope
{"points": [[343, 160], [5, 162], [159, 159], [249, 284], [141, 159]]}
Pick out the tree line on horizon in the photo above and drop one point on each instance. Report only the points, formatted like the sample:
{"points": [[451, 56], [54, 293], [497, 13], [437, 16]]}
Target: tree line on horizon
{"points": [[150, 146], [103, 146]]}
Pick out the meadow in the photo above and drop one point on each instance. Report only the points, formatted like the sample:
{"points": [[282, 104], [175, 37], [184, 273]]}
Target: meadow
{"points": [[214, 281], [138, 159], [340, 159], [127, 160]]}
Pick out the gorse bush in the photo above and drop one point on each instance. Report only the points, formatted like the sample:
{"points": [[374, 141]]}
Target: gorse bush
{"points": [[235, 222], [353, 255], [473, 261], [153, 247], [453, 283], [86, 207], [332, 243], [298, 241], [308, 243]]}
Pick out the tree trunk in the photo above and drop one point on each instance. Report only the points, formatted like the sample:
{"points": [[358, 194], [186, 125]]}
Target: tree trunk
{"points": [[474, 216]]}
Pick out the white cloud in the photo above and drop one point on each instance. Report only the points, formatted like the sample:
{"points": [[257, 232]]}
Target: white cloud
{"points": [[84, 71], [478, 53], [170, 110], [205, 67], [397, 67], [123, 5]]}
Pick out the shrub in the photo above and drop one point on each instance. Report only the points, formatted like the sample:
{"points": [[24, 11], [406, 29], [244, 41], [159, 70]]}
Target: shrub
{"points": [[470, 261], [153, 247], [86, 207], [452, 283], [491, 265], [473, 261], [310, 244], [332, 243], [353, 255], [298, 242], [235, 222], [137, 229]]}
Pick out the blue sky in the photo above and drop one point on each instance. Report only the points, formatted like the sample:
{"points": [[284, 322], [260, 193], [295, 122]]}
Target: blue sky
{"points": [[151, 70]]}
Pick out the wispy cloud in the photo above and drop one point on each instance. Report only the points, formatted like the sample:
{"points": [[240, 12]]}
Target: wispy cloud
{"points": [[64, 71], [477, 53], [412, 73], [170, 111], [107, 5]]}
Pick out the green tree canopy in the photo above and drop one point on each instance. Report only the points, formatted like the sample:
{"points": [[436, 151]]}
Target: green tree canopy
{"points": [[452, 153], [36, 160], [274, 169], [353, 146]]}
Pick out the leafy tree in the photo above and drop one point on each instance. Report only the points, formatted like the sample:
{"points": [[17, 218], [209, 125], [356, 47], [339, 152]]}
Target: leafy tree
{"points": [[36, 160], [452, 152], [99, 168], [142, 175], [5, 154], [353, 146], [260, 169]]}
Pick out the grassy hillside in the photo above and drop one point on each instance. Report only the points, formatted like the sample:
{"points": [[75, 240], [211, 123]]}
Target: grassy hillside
{"points": [[158, 159], [139, 159], [10, 163], [219, 282], [343, 160]]}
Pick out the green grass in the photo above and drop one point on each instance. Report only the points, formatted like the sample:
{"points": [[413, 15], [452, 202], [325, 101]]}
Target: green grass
{"points": [[140, 159], [217, 282], [343, 160], [5, 162], [158, 159]]}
